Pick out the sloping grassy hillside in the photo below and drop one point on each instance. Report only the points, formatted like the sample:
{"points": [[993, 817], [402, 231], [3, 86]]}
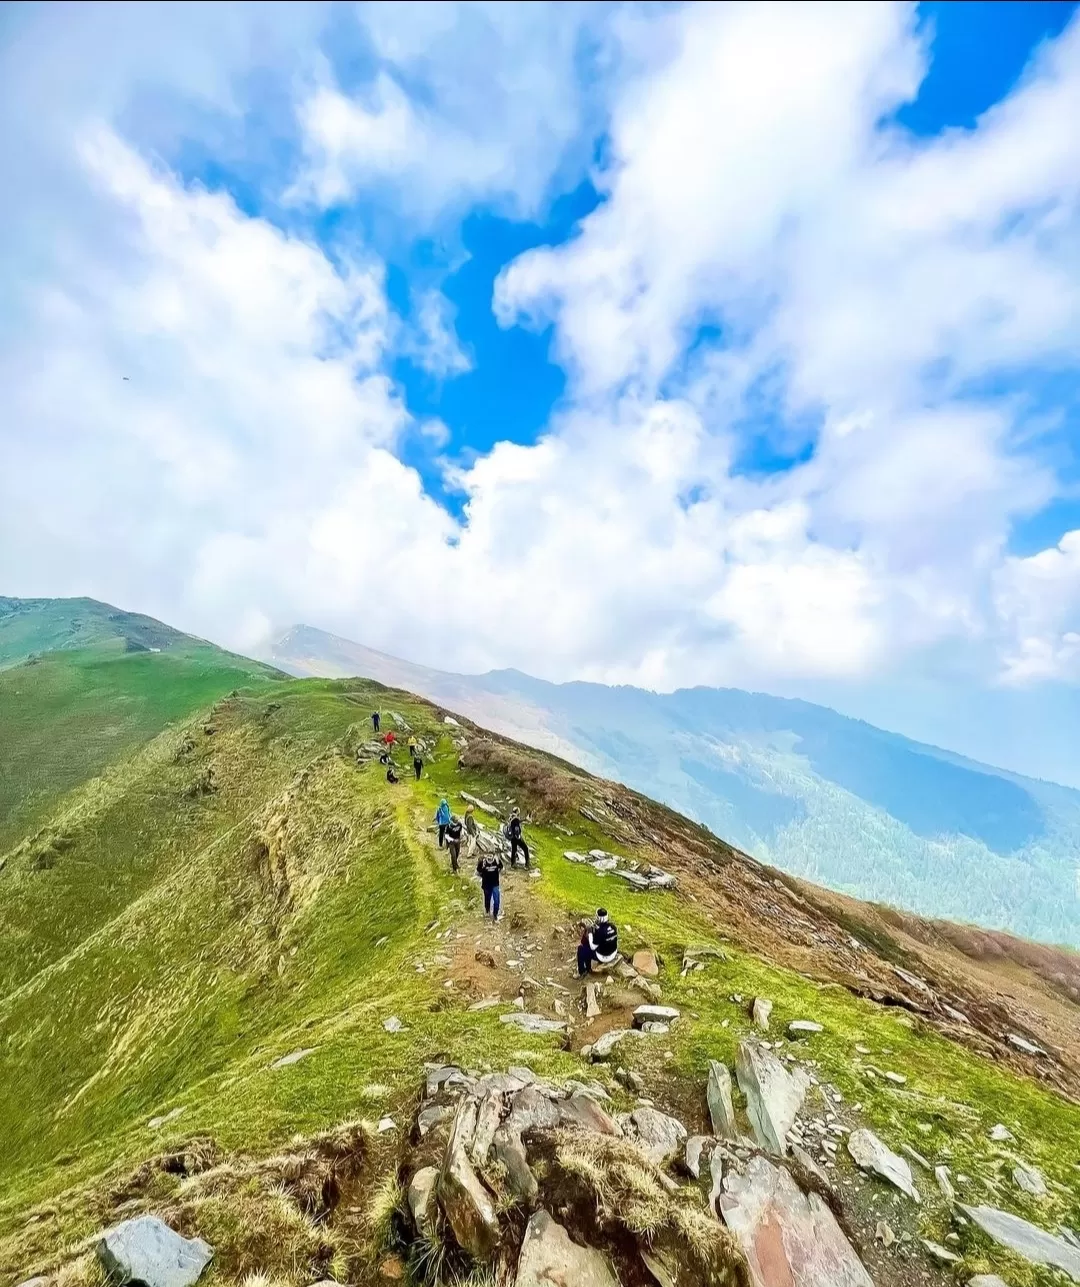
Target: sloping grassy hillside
{"points": [[67, 713], [240, 889], [30, 627]]}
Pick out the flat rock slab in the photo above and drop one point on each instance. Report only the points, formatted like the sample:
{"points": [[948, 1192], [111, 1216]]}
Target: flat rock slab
{"points": [[870, 1154], [803, 1028], [718, 1094], [532, 1110], [533, 1022], [1027, 1240], [603, 1046], [550, 1259], [790, 1239], [146, 1250], [582, 1111], [659, 1135], [468, 1206], [773, 1095], [293, 1057], [654, 1014]]}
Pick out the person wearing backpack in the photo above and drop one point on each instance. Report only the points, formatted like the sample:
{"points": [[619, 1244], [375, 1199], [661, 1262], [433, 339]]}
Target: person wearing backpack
{"points": [[442, 819], [517, 840], [488, 869], [453, 840], [599, 943]]}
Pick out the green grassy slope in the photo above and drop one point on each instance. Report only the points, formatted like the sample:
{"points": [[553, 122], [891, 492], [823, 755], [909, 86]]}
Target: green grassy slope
{"points": [[239, 888], [92, 692]]}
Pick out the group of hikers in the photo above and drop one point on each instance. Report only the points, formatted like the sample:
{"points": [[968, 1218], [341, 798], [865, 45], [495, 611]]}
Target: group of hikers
{"points": [[599, 943]]}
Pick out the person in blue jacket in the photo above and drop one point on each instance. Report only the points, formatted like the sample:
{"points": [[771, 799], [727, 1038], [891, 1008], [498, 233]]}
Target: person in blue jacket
{"points": [[442, 818]]}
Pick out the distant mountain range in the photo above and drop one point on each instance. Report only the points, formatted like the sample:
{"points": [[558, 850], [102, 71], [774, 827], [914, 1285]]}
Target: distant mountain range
{"points": [[820, 795]]}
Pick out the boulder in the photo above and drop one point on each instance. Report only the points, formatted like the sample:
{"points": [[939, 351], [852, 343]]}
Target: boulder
{"points": [[145, 1250], [659, 1135], [790, 1239], [421, 1201], [549, 1257], [868, 1153], [510, 1152], [773, 1095], [718, 1093], [645, 962], [1030, 1180], [533, 1022], [1026, 1240], [532, 1110], [468, 1206], [803, 1028], [430, 1116], [488, 1117], [438, 1077], [761, 1012], [654, 1014], [603, 1046], [582, 1110]]}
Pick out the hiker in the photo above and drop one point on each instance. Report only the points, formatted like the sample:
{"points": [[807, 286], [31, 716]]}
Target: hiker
{"points": [[472, 831], [391, 775], [390, 738], [453, 840], [442, 819], [488, 869], [417, 764], [385, 758], [599, 943], [517, 840], [375, 720], [414, 750]]}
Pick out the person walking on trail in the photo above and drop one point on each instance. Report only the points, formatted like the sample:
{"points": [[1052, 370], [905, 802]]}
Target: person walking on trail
{"points": [[442, 819], [517, 840], [453, 840], [375, 720], [488, 869], [599, 943], [418, 765], [472, 831], [414, 750]]}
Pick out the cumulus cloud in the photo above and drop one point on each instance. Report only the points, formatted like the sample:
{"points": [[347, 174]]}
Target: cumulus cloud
{"points": [[773, 268]]}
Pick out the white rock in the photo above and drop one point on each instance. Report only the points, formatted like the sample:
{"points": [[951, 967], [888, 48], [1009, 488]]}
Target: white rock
{"points": [[660, 1136], [1000, 1134], [146, 1250], [393, 1024], [869, 1153], [941, 1174], [1022, 1044], [654, 1014], [1030, 1180], [941, 1254], [803, 1028], [293, 1057], [534, 1022], [761, 1012]]}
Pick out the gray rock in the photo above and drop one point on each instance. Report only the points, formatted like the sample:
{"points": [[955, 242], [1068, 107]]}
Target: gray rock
{"points": [[1027, 1240], [773, 1095], [654, 1014], [659, 1135], [915, 1156], [393, 1024], [548, 1256], [1000, 1134], [592, 1088], [718, 1094], [533, 1022], [803, 1028], [585, 1113], [987, 1280], [695, 1146], [1030, 1180], [510, 1151], [787, 1236], [293, 1057], [941, 1174], [654, 1028], [532, 1110], [421, 1200], [716, 1176], [438, 1077], [488, 1117], [603, 1046], [430, 1116], [941, 1254], [505, 1083], [468, 1206], [1022, 1044], [592, 1005], [870, 1154], [662, 1266], [807, 1162], [522, 1074], [146, 1250], [761, 1012]]}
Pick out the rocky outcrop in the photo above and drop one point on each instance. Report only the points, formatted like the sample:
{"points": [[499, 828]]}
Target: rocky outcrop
{"points": [[659, 1135], [773, 1095], [510, 1154], [790, 1239], [549, 1257], [146, 1250], [718, 1094], [1027, 1240], [468, 1206]]}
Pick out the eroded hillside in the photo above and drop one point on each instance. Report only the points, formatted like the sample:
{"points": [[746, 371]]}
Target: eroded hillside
{"points": [[232, 968]]}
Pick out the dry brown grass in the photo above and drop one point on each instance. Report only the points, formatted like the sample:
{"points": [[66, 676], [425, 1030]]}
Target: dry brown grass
{"points": [[547, 791]]}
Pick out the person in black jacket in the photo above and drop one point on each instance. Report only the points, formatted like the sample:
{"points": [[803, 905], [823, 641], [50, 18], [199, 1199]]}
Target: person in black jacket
{"points": [[488, 869], [375, 720], [599, 943], [517, 840], [453, 840]]}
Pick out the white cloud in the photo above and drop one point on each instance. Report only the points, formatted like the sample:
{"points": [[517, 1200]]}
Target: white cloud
{"points": [[248, 471]]}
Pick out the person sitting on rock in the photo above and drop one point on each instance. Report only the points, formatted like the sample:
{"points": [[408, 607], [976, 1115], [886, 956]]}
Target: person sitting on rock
{"points": [[442, 819], [517, 840], [391, 775], [599, 943], [453, 840], [488, 869]]}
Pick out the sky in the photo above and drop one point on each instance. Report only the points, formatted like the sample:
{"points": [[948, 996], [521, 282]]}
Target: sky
{"points": [[658, 344]]}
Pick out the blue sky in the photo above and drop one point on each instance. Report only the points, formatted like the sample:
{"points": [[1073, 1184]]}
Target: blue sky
{"points": [[659, 344]]}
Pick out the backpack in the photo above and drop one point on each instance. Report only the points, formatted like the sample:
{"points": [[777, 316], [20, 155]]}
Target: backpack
{"points": [[453, 829]]}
